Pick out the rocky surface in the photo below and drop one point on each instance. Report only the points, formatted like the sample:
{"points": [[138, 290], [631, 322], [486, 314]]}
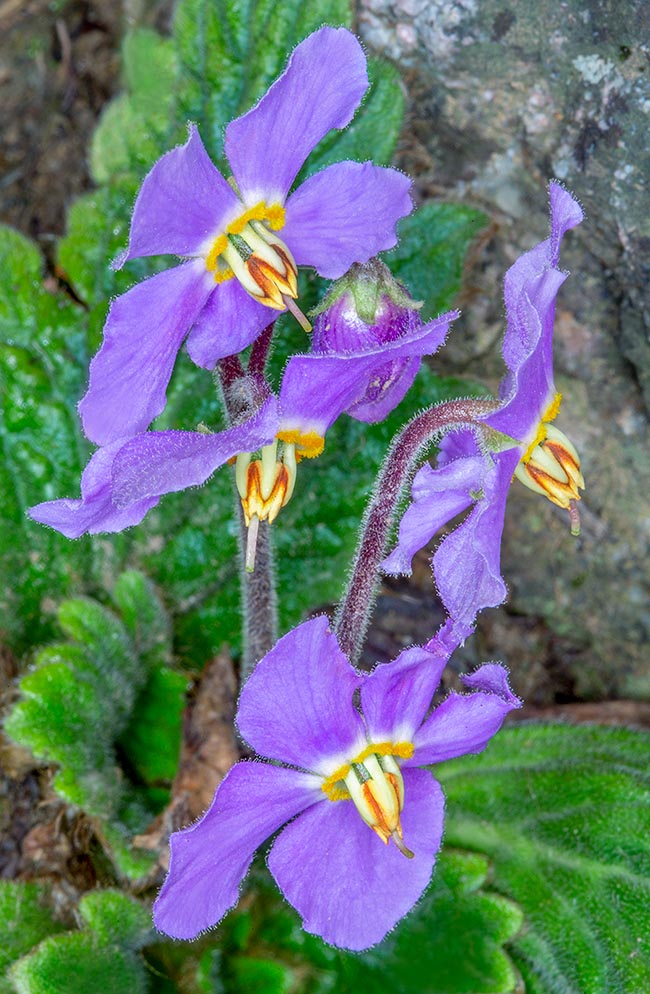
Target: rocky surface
{"points": [[504, 97]]}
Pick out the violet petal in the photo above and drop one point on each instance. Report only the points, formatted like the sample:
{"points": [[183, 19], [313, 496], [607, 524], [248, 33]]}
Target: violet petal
{"points": [[142, 335], [346, 213], [463, 723], [319, 90], [230, 321], [210, 859], [183, 202], [348, 886], [397, 695], [95, 512], [162, 462], [297, 704]]}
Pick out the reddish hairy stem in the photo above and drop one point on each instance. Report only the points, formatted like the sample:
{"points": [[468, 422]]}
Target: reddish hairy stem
{"points": [[354, 610]]}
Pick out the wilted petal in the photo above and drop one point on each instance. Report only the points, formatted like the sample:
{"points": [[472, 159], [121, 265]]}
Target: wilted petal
{"points": [[183, 202], [397, 695], [95, 512], [319, 90], [162, 462], [210, 859], [348, 886], [344, 214], [464, 722], [144, 330], [297, 704], [230, 321]]}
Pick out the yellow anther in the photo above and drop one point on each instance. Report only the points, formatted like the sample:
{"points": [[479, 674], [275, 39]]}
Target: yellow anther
{"points": [[308, 444], [549, 415], [332, 784]]}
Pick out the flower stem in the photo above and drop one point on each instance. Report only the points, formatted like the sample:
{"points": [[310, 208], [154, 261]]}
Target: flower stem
{"points": [[355, 608], [259, 601], [260, 352]]}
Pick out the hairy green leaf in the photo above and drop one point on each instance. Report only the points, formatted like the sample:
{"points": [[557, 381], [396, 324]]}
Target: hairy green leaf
{"points": [[102, 957], [431, 252], [25, 920], [106, 689], [564, 814]]}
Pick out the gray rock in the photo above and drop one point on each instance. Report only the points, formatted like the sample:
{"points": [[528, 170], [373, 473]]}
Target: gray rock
{"points": [[504, 97]]}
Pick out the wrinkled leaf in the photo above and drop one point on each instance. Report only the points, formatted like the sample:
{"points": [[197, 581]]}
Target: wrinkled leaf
{"points": [[102, 689], [564, 814], [102, 957]]}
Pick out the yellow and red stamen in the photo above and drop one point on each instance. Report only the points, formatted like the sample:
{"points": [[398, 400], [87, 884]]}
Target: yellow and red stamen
{"points": [[250, 251], [374, 783], [551, 466]]}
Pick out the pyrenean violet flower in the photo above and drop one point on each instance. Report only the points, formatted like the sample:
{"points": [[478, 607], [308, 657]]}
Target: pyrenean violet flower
{"points": [[362, 821], [239, 271], [467, 563]]}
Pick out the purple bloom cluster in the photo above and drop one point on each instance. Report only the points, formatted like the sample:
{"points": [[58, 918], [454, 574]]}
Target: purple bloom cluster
{"points": [[341, 773], [343, 769], [466, 564]]}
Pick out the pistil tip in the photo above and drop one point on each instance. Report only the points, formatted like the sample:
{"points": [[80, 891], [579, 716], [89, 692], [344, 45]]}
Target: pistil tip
{"points": [[292, 306], [251, 544], [397, 839], [574, 518]]}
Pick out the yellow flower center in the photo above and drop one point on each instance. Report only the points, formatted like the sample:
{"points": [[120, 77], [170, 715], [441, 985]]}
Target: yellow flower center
{"points": [[332, 785], [549, 415]]}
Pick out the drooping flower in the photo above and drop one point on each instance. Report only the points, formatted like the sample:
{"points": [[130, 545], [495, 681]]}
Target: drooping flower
{"points": [[150, 465], [243, 242], [466, 564], [362, 820]]}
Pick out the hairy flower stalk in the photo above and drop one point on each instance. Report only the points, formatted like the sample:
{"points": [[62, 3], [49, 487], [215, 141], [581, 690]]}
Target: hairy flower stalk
{"points": [[354, 610]]}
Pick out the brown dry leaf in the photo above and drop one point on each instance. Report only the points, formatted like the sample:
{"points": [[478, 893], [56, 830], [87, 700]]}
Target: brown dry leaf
{"points": [[209, 750]]}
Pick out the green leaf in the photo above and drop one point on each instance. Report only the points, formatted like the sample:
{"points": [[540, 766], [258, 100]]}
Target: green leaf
{"points": [[25, 920], [374, 130], [564, 814], [430, 256], [42, 372], [230, 52], [101, 958], [103, 690]]}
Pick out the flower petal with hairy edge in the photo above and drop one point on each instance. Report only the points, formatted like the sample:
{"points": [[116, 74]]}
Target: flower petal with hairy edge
{"points": [[465, 722], [144, 330], [492, 678], [467, 563], [183, 202], [320, 89], [397, 695], [230, 321], [438, 496], [297, 704], [346, 213], [95, 512], [211, 858], [317, 388], [346, 884], [162, 462]]}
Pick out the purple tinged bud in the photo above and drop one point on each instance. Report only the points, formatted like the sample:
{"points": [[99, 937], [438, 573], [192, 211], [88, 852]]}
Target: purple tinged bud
{"points": [[365, 308]]}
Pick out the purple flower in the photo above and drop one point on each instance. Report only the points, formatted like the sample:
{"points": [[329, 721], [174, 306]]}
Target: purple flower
{"points": [[237, 265], [362, 820], [124, 480], [466, 564]]}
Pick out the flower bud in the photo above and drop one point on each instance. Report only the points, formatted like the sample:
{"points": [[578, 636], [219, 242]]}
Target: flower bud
{"points": [[367, 308]]}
